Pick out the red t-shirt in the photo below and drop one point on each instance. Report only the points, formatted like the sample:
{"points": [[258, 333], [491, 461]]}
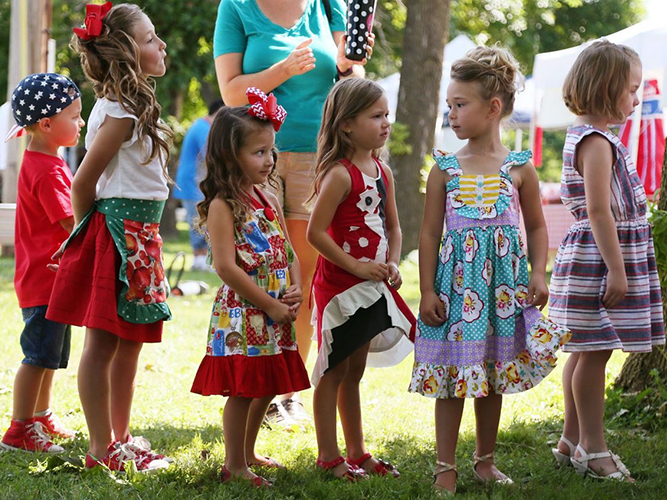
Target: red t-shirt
{"points": [[43, 200]]}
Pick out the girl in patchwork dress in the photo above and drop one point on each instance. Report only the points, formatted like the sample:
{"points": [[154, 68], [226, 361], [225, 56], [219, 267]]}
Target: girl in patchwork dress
{"points": [[360, 315], [480, 334], [605, 286], [251, 354]]}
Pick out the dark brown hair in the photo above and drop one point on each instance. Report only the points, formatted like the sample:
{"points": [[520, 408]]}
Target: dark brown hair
{"points": [[598, 78], [111, 62], [225, 178]]}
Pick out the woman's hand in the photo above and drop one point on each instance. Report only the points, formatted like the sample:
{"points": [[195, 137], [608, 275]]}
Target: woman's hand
{"points": [[300, 60], [431, 309], [373, 271], [344, 63], [538, 293], [395, 279], [617, 287]]}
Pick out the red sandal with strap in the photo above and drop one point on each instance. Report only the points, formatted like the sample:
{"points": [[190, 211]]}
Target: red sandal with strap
{"points": [[353, 472], [257, 481], [382, 468]]}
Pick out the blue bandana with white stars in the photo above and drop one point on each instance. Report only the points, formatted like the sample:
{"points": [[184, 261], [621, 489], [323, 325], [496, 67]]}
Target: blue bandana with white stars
{"points": [[40, 96]]}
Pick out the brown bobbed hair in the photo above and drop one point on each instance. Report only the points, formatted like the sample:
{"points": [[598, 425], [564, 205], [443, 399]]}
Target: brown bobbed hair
{"points": [[111, 61], [495, 71], [225, 178], [347, 99], [598, 78]]}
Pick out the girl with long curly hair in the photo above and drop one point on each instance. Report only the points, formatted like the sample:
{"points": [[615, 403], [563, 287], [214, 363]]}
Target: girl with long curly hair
{"points": [[111, 276], [251, 354]]}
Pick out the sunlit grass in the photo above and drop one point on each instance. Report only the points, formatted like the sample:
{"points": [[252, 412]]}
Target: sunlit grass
{"points": [[399, 427]]}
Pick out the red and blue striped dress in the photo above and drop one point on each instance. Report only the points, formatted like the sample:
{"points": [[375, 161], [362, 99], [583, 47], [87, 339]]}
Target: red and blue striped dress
{"points": [[578, 281]]}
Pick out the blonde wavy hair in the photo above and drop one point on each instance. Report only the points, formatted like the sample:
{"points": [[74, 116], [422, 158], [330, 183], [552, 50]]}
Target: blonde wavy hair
{"points": [[598, 78], [225, 178], [495, 71], [111, 62], [347, 99]]}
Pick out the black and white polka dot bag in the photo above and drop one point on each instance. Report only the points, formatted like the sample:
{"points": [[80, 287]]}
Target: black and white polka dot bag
{"points": [[360, 15]]}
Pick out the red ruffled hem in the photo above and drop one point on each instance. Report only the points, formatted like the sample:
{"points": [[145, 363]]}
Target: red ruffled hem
{"points": [[87, 284], [251, 377]]}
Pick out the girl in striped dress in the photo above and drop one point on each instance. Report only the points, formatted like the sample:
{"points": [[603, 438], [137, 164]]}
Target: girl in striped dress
{"points": [[604, 286]]}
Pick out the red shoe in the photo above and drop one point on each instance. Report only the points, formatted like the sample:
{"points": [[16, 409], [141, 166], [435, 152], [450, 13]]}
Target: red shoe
{"points": [[54, 427], [118, 455], [382, 468], [353, 473], [29, 435], [142, 446]]}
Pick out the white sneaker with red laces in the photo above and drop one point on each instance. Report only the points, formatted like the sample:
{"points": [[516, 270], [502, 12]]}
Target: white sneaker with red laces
{"points": [[142, 446]]}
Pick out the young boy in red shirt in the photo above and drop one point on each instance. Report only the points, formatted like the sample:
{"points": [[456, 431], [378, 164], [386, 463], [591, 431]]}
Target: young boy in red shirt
{"points": [[48, 107]]}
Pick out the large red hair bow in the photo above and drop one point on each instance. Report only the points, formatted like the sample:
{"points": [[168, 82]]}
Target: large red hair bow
{"points": [[94, 15], [265, 107]]}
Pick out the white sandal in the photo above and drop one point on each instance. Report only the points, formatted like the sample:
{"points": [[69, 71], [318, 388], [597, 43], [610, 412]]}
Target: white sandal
{"points": [[582, 468], [563, 459], [489, 459]]}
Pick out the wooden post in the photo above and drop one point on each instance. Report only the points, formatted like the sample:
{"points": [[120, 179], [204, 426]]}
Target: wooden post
{"points": [[30, 29]]}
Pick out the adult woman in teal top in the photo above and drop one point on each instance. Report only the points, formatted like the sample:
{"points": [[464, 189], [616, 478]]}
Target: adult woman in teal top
{"points": [[290, 48]]}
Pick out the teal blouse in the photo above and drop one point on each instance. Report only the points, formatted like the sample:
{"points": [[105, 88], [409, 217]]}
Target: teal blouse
{"points": [[241, 27]]}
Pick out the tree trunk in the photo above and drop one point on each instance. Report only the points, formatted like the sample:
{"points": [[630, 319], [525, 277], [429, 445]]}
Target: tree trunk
{"points": [[426, 32], [634, 375]]}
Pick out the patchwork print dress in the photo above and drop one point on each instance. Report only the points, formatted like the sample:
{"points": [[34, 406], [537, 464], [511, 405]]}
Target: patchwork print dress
{"points": [[492, 341], [247, 353]]}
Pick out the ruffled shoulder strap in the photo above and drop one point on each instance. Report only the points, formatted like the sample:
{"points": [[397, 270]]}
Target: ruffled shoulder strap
{"points": [[447, 162], [516, 158]]}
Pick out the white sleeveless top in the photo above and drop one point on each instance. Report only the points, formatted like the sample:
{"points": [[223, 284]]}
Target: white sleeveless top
{"points": [[126, 176]]}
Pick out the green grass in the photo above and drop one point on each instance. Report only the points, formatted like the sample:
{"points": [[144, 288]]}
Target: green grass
{"points": [[399, 427]]}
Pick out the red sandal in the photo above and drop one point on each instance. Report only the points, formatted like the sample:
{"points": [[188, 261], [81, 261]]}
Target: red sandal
{"points": [[257, 481], [383, 468], [353, 473]]}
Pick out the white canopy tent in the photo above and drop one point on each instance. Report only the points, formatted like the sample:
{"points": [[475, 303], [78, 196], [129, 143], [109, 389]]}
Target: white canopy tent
{"points": [[444, 136], [647, 38]]}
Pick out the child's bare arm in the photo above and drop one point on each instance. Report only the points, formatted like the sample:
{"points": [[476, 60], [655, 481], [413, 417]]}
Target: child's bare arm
{"points": [[431, 309], [394, 234], [294, 294], [110, 136], [536, 233], [220, 226], [595, 160], [67, 224]]}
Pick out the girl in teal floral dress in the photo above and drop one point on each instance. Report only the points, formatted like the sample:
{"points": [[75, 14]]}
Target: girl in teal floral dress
{"points": [[480, 334], [251, 353]]}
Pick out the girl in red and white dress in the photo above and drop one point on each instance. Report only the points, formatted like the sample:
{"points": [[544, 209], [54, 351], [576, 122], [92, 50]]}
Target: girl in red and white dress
{"points": [[354, 226]]}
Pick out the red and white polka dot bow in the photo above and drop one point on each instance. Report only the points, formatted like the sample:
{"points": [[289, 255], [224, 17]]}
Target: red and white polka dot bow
{"points": [[265, 107]]}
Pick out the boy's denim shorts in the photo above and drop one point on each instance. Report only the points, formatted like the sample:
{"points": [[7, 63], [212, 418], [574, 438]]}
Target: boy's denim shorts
{"points": [[44, 342]]}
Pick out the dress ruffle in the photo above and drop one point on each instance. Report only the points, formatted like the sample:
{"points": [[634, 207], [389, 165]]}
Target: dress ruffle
{"points": [[533, 361], [251, 377], [388, 348]]}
